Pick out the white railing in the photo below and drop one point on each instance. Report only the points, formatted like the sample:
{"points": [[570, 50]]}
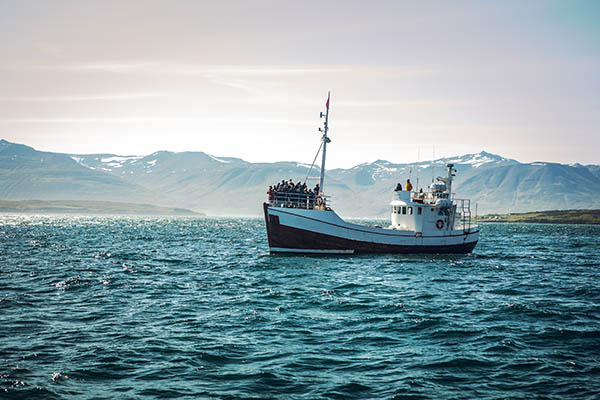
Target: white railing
{"points": [[462, 214], [307, 201]]}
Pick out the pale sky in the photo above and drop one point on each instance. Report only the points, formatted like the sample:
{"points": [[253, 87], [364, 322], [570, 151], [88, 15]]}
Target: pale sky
{"points": [[248, 78]]}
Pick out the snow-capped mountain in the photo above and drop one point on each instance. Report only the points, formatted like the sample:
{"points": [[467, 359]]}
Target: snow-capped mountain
{"points": [[225, 185]]}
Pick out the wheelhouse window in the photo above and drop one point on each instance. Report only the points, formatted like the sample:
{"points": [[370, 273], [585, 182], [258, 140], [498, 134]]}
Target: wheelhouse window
{"points": [[419, 210], [410, 211], [404, 210]]}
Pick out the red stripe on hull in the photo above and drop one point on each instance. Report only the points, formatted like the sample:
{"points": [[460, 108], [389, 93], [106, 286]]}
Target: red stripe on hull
{"points": [[281, 236]]}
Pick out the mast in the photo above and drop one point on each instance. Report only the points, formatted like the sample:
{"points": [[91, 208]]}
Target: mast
{"points": [[325, 140], [448, 180]]}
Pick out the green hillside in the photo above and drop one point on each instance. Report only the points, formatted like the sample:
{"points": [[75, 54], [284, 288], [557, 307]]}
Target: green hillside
{"points": [[547, 217]]}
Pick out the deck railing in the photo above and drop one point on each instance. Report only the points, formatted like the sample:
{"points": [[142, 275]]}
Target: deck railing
{"points": [[307, 201], [462, 214]]}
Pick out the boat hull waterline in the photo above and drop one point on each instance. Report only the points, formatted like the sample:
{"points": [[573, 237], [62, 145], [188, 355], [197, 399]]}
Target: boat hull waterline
{"points": [[309, 231]]}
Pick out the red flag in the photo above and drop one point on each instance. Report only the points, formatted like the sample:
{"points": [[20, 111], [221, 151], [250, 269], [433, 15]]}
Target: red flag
{"points": [[327, 104]]}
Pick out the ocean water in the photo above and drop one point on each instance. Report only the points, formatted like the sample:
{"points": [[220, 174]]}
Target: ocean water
{"points": [[135, 307]]}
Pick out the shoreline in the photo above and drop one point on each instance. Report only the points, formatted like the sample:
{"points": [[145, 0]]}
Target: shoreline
{"points": [[90, 207], [585, 217]]}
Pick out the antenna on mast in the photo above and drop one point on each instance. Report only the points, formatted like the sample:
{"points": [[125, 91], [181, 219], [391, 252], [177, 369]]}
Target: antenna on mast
{"points": [[418, 161], [433, 164], [325, 140], [323, 145]]}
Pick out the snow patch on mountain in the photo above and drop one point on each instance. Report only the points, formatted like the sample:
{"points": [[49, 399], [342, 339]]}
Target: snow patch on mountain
{"points": [[79, 160], [219, 159], [383, 170], [475, 160], [478, 160], [302, 165], [119, 159]]}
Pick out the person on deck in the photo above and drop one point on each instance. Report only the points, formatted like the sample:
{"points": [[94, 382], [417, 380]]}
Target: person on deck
{"points": [[409, 186], [398, 187], [271, 192], [311, 199], [419, 197]]}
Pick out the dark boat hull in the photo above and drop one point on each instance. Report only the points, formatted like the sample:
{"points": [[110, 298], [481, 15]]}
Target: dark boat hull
{"points": [[284, 238]]}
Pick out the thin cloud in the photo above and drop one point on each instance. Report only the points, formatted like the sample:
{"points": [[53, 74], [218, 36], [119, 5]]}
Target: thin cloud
{"points": [[99, 97], [407, 103], [150, 120], [275, 121], [190, 69]]}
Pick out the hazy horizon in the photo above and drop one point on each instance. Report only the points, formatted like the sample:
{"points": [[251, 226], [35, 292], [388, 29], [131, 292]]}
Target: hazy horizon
{"points": [[248, 80]]}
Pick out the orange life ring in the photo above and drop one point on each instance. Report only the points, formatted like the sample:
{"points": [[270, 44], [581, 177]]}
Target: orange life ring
{"points": [[319, 201], [439, 224]]}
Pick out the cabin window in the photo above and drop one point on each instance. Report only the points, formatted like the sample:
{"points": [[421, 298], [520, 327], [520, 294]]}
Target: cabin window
{"points": [[409, 210], [419, 210], [404, 210], [393, 209]]}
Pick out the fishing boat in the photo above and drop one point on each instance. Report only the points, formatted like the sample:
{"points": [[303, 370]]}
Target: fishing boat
{"points": [[421, 222]]}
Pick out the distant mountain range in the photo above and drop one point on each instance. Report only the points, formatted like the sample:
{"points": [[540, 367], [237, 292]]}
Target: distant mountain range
{"points": [[225, 185]]}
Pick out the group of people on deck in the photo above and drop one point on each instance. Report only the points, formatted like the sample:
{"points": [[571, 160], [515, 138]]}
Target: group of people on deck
{"points": [[417, 198], [293, 195], [298, 195]]}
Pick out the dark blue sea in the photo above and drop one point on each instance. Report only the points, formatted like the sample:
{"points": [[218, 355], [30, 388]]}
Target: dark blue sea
{"points": [[156, 308]]}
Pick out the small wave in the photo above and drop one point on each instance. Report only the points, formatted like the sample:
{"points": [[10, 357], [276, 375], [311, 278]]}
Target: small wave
{"points": [[558, 335], [455, 333], [220, 359], [74, 282], [508, 292], [26, 392], [348, 390], [459, 363]]}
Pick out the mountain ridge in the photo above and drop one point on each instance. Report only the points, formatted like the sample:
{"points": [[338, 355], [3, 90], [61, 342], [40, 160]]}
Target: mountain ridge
{"points": [[229, 185]]}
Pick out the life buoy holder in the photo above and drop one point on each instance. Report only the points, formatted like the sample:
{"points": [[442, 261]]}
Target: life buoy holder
{"points": [[319, 201], [439, 224]]}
